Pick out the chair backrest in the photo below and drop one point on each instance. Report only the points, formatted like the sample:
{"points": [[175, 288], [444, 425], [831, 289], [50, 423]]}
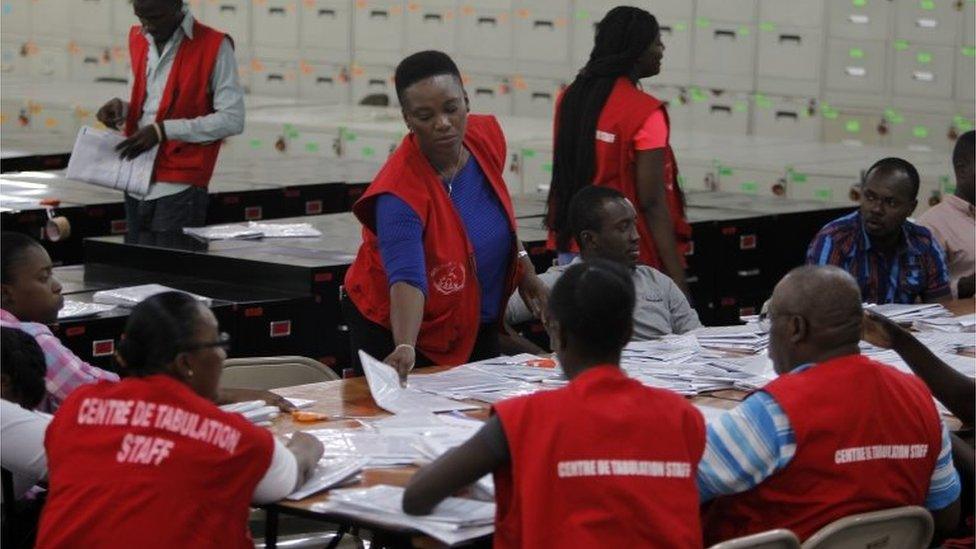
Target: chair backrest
{"points": [[274, 371], [771, 539], [899, 528]]}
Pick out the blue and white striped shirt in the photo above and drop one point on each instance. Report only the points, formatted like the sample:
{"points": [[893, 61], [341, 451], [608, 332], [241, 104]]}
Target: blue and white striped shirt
{"points": [[751, 442]]}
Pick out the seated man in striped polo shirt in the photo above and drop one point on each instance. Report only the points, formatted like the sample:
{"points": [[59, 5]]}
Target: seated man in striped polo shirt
{"points": [[835, 434]]}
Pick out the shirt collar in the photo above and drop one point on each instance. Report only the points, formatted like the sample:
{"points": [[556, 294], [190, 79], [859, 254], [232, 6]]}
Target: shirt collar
{"points": [[8, 319], [186, 25], [905, 243]]}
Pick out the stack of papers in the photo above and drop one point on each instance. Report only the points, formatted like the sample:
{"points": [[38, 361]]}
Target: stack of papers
{"points": [[906, 313], [131, 296], [94, 160], [253, 229], [378, 449], [747, 338], [469, 382], [255, 411], [965, 324], [78, 309], [453, 521], [522, 367], [330, 472], [384, 385]]}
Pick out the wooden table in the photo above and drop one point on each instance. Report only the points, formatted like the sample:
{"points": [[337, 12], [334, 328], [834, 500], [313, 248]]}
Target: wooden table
{"points": [[350, 398]]}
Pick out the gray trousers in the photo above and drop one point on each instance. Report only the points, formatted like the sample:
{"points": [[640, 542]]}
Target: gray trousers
{"points": [[187, 208]]}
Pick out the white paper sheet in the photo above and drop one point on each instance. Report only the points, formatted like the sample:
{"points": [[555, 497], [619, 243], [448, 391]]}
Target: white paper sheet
{"points": [[131, 296], [77, 309], [328, 473], [384, 385], [94, 160]]}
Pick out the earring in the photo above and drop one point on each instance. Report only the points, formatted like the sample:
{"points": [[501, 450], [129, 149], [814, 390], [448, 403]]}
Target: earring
{"points": [[189, 373]]}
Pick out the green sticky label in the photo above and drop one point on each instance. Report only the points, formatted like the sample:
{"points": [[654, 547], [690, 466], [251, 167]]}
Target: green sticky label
{"points": [[924, 57], [797, 177], [256, 143], [582, 14], [680, 27], [901, 45], [288, 127], [855, 53], [681, 180], [702, 22], [829, 112], [823, 194], [852, 126], [927, 5], [291, 134], [749, 186], [350, 136], [969, 51], [698, 95], [312, 147], [763, 102], [740, 106], [745, 31], [859, 3], [920, 132], [369, 152], [528, 153], [962, 123], [767, 26], [723, 170], [547, 167], [947, 184], [893, 116]]}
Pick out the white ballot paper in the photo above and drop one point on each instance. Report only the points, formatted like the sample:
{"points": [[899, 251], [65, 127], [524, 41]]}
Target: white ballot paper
{"points": [[328, 473], [384, 385], [131, 296], [94, 160], [78, 309]]}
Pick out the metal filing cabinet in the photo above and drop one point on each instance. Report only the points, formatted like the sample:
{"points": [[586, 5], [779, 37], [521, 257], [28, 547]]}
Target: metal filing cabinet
{"points": [[542, 34], [927, 21], [584, 20], [790, 117], [923, 70], [90, 62], [370, 80], [736, 11], [275, 78], [325, 26], [676, 35], [854, 126], [792, 13], [485, 31], [90, 19], [856, 66], [724, 54], [378, 27], [788, 61], [276, 24], [232, 17], [726, 113], [323, 83], [489, 93], [431, 25], [860, 20], [536, 97]]}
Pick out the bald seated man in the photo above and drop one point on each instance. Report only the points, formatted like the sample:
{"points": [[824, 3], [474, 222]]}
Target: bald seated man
{"points": [[835, 434], [893, 259]]}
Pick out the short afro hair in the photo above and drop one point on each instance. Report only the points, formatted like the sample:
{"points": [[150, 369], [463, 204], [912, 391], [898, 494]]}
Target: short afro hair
{"points": [[894, 164], [421, 65]]}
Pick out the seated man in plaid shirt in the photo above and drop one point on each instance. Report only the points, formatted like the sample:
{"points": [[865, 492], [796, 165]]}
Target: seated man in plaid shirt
{"points": [[892, 259]]}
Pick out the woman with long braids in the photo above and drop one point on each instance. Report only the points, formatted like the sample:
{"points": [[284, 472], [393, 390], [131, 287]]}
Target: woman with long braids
{"points": [[610, 133]]}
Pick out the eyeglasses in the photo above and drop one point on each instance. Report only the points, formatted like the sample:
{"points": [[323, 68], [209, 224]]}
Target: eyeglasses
{"points": [[223, 341]]}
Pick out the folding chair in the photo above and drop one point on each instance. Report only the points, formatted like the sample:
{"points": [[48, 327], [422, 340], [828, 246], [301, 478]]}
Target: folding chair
{"points": [[899, 528], [274, 371], [771, 539]]}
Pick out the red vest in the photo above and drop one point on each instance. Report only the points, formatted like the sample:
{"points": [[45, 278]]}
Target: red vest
{"points": [[622, 116], [867, 438], [453, 306], [603, 462], [186, 95], [146, 462]]}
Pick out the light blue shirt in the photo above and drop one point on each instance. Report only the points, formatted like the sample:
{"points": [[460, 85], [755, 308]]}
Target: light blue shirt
{"points": [[751, 442], [228, 98]]}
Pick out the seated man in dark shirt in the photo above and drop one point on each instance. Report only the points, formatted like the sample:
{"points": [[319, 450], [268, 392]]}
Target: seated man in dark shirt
{"points": [[892, 259]]}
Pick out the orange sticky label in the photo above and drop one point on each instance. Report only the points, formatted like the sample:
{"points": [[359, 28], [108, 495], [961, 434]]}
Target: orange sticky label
{"points": [[307, 417], [413, 7], [522, 13], [467, 10]]}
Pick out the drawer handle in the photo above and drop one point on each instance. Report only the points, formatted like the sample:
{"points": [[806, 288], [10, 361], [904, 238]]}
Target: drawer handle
{"points": [[926, 23], [787, 114], [859, 19], [379, 14], [324, 80], [484, 91], [433, 17], [721, 108], [857, 72], [327, 12], [794, 38], [488, 21], [276, 11], [543, 23], [276, 77], [377, 82], [747, 273], [923, 76], [725, 34], [227, 7], [542, 95], [666, 29], [90, 60]]}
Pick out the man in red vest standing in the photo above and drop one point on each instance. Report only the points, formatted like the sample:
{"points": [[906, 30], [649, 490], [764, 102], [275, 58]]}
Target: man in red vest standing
{"points": [[186, 98], [836, 434]]}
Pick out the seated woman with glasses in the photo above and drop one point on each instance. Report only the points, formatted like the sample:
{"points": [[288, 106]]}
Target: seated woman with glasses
{"points": [[151, 460]]}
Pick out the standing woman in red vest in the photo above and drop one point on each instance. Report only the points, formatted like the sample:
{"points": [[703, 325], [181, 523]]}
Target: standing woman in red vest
{"points": [[610, 133], [440, 255], [186, 98], [602, 462]]}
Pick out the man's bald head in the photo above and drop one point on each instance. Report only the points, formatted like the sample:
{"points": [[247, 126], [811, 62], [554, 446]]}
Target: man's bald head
{"points": [[816, 313]]}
